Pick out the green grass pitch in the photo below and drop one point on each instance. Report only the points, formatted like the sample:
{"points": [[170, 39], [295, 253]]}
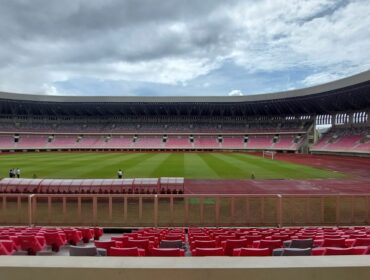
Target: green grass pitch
{"points": [[146, 165]]}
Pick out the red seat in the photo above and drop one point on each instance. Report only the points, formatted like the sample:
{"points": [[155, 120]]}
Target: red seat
{"points": [[361, 250], [167, 252], [54, 240], [73, 236], [7, 247], [105, 245], [30, 244], [143, 244], [252, 252], [271, 244], [362, 242], [230, 245], [126, 252], [203, 244], [87, 234], [98, 232], [333, 242], [202, 252], [220, 238]]}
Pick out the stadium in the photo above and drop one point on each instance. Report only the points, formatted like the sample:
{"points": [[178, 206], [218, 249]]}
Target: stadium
{"points": [[184, 139], [204, 164]]}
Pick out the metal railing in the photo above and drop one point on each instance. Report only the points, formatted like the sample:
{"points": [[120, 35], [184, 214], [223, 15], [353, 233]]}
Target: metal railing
{"points": [[183, 210]]}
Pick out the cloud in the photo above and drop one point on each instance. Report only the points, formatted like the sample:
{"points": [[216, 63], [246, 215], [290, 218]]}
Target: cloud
{"points": [[172, 45], [235, 92]]}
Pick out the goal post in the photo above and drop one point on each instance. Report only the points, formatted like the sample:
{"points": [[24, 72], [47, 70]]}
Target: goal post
{"points": [[269, 154]]}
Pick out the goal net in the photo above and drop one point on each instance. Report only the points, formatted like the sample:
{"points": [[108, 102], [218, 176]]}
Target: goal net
{"points": [[268, 154]]}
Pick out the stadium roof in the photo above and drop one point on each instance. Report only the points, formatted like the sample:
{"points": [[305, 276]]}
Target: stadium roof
{"points": [[349, 94]]}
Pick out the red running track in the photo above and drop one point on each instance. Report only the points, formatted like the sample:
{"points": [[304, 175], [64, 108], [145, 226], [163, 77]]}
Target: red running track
{"points": [[358, 183]]}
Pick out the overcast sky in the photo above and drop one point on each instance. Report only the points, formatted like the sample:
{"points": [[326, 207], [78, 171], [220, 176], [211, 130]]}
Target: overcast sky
{"points": [[179, 47]]}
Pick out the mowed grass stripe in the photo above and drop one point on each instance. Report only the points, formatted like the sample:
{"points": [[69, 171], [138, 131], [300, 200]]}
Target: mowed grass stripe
{"points": [[171, 166], [107, 167], [146, 167], [77, 166], [196, 167], [222, 168]]}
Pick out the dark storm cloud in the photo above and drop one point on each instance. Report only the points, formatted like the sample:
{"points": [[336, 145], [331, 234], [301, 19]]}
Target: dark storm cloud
{"points": [[81, 31]]}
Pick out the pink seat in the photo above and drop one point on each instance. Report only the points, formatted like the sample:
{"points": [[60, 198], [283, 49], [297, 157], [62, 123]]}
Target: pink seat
{"points": [[202, 252], [126, 252], [167, 252]]}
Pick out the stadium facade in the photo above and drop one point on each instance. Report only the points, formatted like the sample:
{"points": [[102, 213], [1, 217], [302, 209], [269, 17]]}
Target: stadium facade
{"points": [[284, 121]]}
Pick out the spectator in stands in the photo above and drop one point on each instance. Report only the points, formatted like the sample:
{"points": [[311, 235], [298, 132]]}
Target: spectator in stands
{"points": [[18, 172], [119, 174]]}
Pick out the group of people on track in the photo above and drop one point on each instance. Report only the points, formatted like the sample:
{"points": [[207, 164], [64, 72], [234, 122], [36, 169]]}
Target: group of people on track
{"points": [[14, 173]]}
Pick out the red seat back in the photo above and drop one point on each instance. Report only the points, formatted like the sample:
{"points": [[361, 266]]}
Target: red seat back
{"points": [[230, 245], [126, 252], [253, 252], [202, 252], [166, 252]]}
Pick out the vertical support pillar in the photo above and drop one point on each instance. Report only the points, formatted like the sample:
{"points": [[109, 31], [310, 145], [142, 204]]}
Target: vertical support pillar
{"points": [[156, 210], [79, 209], [279, 210], [95, 209], [49, 208], [217, 211], [110, 207], [125, 208], [30, 209], [140, 208], [171, 210], [232, 209]]}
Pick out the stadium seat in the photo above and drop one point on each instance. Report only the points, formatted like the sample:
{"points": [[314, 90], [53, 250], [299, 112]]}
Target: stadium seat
{"points": [[203, 244], [82, 251], [331, 251], [167, 252], [230, 245], [252, 252], [7, 247], [142, 244], [299, 243], [73, 236], [30, 243], [292, 252], [171, 244], [202, 252], [54, 240], [271, 244], [87, 234], [106, 245], [126, 252]]}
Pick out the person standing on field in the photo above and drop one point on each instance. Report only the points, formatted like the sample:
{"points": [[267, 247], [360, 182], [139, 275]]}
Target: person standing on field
{"points": [[18, 172], [119, 174]]}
